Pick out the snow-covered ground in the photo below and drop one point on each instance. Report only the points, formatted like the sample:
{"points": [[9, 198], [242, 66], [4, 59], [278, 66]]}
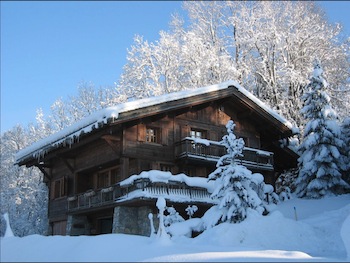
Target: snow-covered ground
{"points": [[297, 230]]}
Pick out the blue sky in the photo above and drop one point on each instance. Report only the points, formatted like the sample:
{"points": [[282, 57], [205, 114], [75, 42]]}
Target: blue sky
{"points": [[48, 48]]}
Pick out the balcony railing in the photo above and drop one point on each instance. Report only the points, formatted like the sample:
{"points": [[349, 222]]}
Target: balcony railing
{"points": [[211, 151], [141, 188], [92, 198]]}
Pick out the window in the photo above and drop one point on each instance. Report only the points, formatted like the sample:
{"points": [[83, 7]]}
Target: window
{"points": [[115, 175], [103, 179], [165, 167], [190, 171], [153, 135], [108, 177], [198, 134], [58, 188], [198, 148]]}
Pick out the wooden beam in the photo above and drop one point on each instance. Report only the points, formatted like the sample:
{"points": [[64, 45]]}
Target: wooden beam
{"points": [[246, 114], [41, 168], [113, 141], [110, 137], [70, 167]]}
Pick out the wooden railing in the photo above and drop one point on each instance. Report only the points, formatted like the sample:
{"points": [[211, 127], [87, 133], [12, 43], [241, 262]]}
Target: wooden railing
{"points": [[140, 188], [93, 198], [211, 151], [169, 190]]}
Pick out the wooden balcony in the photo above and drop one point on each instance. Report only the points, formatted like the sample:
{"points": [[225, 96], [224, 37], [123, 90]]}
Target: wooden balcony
{"points": [[92, 198], [211, 151], [141, 188]]}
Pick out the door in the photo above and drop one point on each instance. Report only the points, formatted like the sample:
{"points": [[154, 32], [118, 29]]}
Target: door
{"points": [[105, 225]]}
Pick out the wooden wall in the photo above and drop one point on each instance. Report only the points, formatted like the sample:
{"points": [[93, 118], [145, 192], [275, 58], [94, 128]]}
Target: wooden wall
{"points": [[133, 154]]}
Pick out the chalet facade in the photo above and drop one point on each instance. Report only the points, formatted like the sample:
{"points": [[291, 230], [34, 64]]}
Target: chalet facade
{"points": [[94, 168]]}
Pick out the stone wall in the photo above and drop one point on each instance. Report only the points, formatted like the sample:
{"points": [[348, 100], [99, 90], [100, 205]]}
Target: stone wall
{"points": [[133, 220], [78, 225]]}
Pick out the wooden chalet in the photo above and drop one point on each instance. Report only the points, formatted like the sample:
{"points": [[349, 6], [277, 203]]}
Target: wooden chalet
{"points": [[85, 164]]}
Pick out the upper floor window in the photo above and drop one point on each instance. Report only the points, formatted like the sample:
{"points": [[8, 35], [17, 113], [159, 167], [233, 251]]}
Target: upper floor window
{"points": [[103, 179], [165, 167], [153, 135], [198, 134], [59, 188], [108, 177], [190, 171]]}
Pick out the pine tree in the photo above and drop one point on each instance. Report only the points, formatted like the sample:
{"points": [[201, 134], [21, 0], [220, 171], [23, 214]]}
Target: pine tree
{"points": [[236, 186], [345, 131], [319, 162]]}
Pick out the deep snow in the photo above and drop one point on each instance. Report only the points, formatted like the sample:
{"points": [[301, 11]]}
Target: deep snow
{"points": [[318, 231]]}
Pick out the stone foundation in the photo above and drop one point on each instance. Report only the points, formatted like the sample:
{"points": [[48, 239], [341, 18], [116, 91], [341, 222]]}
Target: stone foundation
{"points": [[133, 220], [78, 225]]}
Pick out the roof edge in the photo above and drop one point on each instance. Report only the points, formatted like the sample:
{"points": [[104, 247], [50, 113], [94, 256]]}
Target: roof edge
{"points": [[71, 134]]}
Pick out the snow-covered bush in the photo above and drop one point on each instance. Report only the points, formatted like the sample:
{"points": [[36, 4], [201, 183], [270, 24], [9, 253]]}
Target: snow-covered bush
{"points": [[172, 217], [286, 194], [235, 184], [186, 228], [271, 196], [191, 209], [285, 183], [320, 161]]}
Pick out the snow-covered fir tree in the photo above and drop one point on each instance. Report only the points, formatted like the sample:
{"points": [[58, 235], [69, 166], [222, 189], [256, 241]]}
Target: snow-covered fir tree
{"points": [[236, 186], [23, 194], [320, 158], [345, 131]]}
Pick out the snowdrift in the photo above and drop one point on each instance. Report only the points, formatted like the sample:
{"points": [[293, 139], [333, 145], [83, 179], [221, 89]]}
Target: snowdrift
{"points": [[320, 233]]}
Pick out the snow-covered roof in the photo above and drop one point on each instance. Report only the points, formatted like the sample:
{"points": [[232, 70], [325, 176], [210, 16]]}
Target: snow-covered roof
{"points": [[72, 133]]}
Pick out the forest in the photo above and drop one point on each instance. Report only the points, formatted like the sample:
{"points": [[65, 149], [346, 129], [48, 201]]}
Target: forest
{"points": [[273, 49]]}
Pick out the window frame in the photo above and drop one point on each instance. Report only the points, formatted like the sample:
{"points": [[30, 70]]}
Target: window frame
{"points": [[155, 137], [59, 188], [194, 133], [109, 179]]}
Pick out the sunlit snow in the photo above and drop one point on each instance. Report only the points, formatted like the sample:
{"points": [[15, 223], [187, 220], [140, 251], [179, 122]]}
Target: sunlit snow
{"points": [[315, 231]]}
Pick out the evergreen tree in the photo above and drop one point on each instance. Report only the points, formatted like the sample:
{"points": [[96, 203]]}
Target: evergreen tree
{"points": [[23, 195], [320, 159], [236, 187], [345, 131]]}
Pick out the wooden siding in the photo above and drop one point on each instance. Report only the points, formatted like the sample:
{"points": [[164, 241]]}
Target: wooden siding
{"points": [[125, 146], [58, 209]]}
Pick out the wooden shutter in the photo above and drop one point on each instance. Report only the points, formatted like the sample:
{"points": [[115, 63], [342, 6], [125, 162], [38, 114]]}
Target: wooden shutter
{"points": [[141, 132], [164, 136], [184, 131]]}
